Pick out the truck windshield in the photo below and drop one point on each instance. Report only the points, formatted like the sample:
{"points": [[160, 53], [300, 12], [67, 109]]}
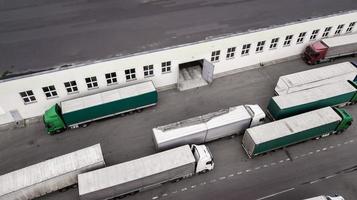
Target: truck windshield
{"points": [[250, 111], [196, 153], [311, 52]]}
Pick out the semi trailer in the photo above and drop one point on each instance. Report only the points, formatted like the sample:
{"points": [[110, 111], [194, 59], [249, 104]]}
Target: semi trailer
{"points": [[329, 49], [50, 175], [334, 94], [208, 127], [295, 129], [316, 77], [79, 111], [325, 197], [133, 176]]}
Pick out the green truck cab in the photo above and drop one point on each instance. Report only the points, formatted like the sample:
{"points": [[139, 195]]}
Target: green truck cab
{"points": [[53, 120], [346, 120]]}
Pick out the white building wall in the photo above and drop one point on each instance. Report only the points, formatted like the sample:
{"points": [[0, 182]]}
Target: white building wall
{"points": [[9, 89]]}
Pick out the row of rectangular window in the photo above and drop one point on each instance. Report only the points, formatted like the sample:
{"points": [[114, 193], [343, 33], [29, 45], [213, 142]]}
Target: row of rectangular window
{"points": [[287, 42], [92, 82]]}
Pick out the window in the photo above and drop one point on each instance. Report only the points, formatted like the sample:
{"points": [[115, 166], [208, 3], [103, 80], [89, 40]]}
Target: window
{"points": [[339, 29], [287, 41], [350, 27], [215, 55], [245, 49], [166, 67], [71, 87], [130, 74], [301, 38], [314, 34], [274, 43], [260, 46], [28, 97], [326, 32], [91, 82], [148, 70], [111, 78], [50, 91], [230, 52]]}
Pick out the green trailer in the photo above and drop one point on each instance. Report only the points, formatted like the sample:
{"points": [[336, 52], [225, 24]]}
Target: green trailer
{"points": [[299, 128], [79, 111], [340, 93]]}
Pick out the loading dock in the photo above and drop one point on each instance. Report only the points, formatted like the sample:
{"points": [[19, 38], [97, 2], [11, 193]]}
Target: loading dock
{"points": [[195, 74]]}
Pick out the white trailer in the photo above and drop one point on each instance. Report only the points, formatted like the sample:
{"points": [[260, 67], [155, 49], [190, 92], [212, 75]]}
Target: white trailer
{"points": [[315, 77], [208, 127], [143, 173], [340, 46], [324, 197], [50, 175]]}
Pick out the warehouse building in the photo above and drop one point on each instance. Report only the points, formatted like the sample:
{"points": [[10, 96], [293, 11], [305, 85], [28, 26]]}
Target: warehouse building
{"points": [[184, 66]]}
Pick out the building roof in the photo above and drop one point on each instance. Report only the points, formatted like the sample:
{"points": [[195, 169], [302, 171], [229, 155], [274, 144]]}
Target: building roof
{"points": [[40, 35]]}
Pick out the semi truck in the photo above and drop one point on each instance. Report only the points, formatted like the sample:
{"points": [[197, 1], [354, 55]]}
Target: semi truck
{"points": [[130, 177], [334, 94], [50, 175], [325, 197], [79, 111], [329, 49], [208, 127], [316, 77], [295, 129]]}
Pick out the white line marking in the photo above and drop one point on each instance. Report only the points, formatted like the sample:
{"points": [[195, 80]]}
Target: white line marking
{"points": [[213, 180], [266, 197], [183, 189], [193, 186], [281, 161], [257, 168], [203, 183], [345, 142], [351, 141], [164, 195], [273, 163], [239, 173], [296, 157], [248, 170], [287, 159], [231, 175], [303, 155], [331, 147], [266, 166], [315, 181], [324, 149], [327, 177], [338, 145], [174, 192], [317, 151], [221, 178], [155, 197]]}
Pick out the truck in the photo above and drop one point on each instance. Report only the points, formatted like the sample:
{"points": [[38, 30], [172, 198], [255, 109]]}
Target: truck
{"points": [[328, 49], [282, 133], [208, 127], [334, 94], [130, 177], [316, 77], [50, 175], [325, 197], [80, 111]]}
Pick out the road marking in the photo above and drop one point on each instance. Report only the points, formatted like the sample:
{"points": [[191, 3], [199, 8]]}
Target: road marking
{"points": [[174, 192], [287, 159], [269, 196], [164, 195], [317, 151], [281, 161], [327, 177], [239, 173], [310, 152], [221, 178], [155, 197], [324, 149], [351, 141], [257, 168], [183, 189], [248, 170], [315, 181], [345, 142], [193, 186], [266, 166], [331, 147], [203, 183], [303, 155], [273, 163], [231, 175], [213, 180], [338, 144], [296, 157]]}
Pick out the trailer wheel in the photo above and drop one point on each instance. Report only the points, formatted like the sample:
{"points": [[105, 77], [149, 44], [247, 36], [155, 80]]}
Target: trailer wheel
{"points": [[139, 110], [84, 125]]}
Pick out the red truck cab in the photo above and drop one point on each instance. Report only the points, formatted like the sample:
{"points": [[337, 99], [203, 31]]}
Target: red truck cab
{"points": [[315, 52]]}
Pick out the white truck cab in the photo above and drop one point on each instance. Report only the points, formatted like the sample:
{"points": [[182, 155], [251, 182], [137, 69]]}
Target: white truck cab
{"points": [[324, 197], [204, 158], [257, 114]]}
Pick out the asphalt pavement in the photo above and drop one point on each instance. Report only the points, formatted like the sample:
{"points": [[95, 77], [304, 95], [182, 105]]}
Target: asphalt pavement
{"points": [[129, 137], [41, 34]]}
